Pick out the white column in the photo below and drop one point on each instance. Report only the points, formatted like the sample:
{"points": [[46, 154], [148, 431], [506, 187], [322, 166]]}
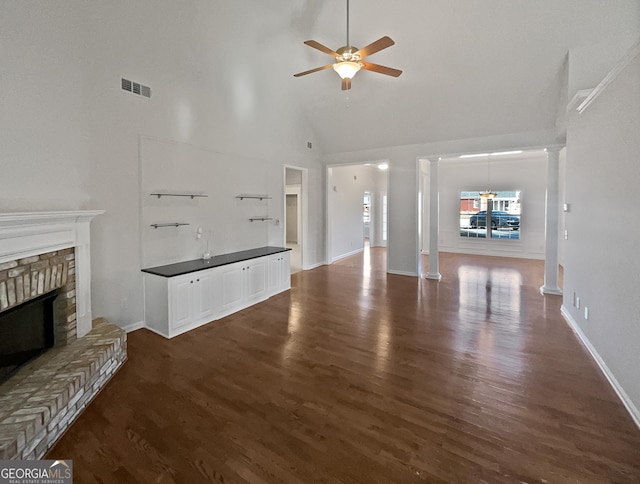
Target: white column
{"points": [[83, 278], [434, 270], [552, 220]]}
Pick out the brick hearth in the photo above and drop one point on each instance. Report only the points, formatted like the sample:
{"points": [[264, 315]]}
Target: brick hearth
{"points": [[44, 397], [42, 252]]}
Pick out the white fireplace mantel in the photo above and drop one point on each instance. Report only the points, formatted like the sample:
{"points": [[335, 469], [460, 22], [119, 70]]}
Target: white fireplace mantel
{"points": [[32, 233]]}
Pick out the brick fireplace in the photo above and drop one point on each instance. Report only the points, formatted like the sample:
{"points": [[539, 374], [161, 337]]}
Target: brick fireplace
{"points": [[24, 279], [40, 253]]}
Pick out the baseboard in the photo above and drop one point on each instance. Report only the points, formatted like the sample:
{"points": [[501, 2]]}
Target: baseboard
{"points": [[133, 326], [313, 266], [348, 254], [153, 330], [515, 252], [626, 401], [402, 273]]}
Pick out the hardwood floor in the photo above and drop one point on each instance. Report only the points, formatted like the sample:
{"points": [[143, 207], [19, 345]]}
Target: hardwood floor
{"points": [[356, 375]]}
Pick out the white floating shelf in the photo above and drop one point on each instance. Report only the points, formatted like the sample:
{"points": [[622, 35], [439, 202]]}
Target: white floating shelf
{"points": [[191, 195], [242, 196], [170, 224]]}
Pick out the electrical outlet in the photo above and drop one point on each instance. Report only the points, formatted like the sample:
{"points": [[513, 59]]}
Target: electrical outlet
{"points": [[586, 312], [566, 235]]}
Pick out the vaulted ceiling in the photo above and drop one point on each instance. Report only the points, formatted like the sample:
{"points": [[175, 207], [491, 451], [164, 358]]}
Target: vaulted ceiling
{"points": [[472, 68]]}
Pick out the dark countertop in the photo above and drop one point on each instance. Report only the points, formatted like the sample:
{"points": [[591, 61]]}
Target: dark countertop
{"points": [[195, 265]]}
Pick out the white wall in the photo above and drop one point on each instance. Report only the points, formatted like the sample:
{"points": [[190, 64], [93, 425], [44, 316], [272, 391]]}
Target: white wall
{"points": [[381, 186], [601, 256], [347, 185], [403, 247], [215, 123], [588, 64], [43, 126], [526, 173], [562, 198]]}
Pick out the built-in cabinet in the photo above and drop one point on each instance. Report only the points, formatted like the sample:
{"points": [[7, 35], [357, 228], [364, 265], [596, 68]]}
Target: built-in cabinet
{"points": [[192, 297], [174, 305], [243, 284], [279, 273]]}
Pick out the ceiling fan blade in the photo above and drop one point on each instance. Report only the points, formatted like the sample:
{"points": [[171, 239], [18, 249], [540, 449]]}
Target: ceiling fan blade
{"points": [[321, 48], [376, 46], [346, 84], [313, 70], [389, 71]]}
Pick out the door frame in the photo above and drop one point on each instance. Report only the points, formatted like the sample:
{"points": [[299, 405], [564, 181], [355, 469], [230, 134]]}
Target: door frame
{"points": [[297, 191], [303, 211]]}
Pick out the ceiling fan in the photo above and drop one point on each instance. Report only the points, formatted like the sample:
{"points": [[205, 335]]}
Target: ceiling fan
{"points": [[349, 59]]}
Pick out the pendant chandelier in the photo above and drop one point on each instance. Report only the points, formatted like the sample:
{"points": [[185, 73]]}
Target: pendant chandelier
{"points": [[488, 194]]}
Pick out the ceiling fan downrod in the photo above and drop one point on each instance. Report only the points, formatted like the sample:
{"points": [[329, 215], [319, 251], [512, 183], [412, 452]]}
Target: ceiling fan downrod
{"points": [[348, 23]]}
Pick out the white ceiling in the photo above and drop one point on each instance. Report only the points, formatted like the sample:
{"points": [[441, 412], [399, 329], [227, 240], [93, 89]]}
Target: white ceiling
{"points": [[472, 68]]}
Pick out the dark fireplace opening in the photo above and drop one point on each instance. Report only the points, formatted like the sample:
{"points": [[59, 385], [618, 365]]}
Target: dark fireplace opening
{"points": [[26, 331]]}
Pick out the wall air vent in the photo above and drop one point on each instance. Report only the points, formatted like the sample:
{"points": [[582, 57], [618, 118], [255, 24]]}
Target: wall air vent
{"points": [[136, 88]]}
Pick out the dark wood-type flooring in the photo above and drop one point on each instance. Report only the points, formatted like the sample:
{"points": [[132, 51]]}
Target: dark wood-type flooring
{"points": [[356, 375]]}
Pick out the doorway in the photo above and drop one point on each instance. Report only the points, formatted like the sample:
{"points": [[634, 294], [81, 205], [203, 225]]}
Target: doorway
{"points": [[294, 182], [356, 208], [367, 217]]}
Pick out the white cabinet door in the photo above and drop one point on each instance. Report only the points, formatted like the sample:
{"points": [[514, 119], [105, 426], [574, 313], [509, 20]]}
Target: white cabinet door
{"points": [[203, 295], [181, 300], [279, 273], [255, 274], [274, 273], [285, 271], [192, 299], [232, 287]]}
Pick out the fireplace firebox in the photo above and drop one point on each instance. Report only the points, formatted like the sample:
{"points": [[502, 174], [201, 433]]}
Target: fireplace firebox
{"points": [[26, 331]]}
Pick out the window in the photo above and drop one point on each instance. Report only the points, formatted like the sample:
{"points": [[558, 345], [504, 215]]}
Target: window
{"points": [[503, 211]]}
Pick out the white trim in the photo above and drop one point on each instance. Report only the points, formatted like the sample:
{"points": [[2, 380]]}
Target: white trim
{"points": [[348, 254], [514, 254], [552, 291], [612, 76], [313, 266], [402, 273], [578, 98], [155, 331], [33, 218], [129, 328], [26, 234], [626, 401]]}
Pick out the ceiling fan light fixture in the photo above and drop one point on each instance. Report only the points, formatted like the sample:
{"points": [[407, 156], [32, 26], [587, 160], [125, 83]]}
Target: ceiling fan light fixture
{"points": [[347, 69], [349, 59]]}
